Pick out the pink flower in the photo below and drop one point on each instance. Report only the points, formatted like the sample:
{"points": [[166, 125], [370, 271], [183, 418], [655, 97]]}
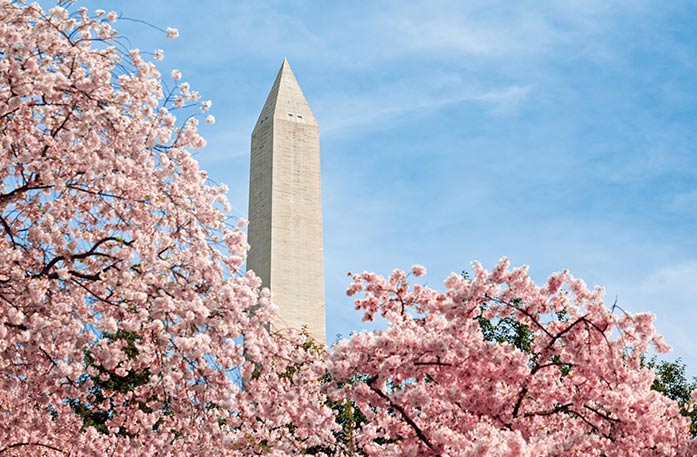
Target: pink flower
{"points": [[418, 270], [660, 343], [63, 274], [172, 33], [159, 54], [176, 75], [210, 119]]}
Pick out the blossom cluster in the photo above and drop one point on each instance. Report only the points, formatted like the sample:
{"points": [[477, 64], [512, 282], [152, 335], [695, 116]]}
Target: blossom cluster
{"points": [[123, 306], [432, 384]]}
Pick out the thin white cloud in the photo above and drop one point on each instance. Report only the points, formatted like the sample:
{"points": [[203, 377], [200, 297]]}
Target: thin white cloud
{"points": [[387, 103], [505, 101], [371, 34]]}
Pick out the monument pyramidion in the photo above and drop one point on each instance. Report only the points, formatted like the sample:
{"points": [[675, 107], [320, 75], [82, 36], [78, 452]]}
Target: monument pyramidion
{"points": [[285, 207]]}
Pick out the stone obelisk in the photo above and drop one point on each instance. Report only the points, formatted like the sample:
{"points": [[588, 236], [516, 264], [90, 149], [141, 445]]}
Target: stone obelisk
{"points": [[285, 207]]}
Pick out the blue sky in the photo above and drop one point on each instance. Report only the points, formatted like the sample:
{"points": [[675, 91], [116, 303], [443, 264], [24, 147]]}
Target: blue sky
{"points": [[561, 135]]}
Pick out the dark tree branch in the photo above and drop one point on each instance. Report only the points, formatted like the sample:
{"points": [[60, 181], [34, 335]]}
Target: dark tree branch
{"points": [[14, 445], [83, 255], [419, 433]]}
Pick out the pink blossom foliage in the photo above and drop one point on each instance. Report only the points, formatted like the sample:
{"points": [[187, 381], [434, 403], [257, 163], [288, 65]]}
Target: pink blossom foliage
{"points": [[122, 305], [430, 384], [418, 270], [127, 327]]}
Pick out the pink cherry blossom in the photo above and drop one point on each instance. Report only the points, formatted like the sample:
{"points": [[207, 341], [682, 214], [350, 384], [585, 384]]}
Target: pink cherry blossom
{"points": [[418, 270], [430, 384], [123, 304]]}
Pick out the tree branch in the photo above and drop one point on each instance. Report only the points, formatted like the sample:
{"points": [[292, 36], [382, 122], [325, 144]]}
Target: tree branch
{"points": [[47, 446], [419, 433]]}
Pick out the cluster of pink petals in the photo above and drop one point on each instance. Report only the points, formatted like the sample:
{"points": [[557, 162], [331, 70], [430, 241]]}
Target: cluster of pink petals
{"points": [[431, 385], [117, 266]]}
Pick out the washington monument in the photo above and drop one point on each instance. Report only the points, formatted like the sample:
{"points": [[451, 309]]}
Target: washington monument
{"points": [[285, 207]]}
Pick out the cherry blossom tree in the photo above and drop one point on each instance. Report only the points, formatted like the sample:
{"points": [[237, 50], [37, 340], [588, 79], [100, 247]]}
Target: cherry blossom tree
{"points": [[123, 312], [431, 383]]}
